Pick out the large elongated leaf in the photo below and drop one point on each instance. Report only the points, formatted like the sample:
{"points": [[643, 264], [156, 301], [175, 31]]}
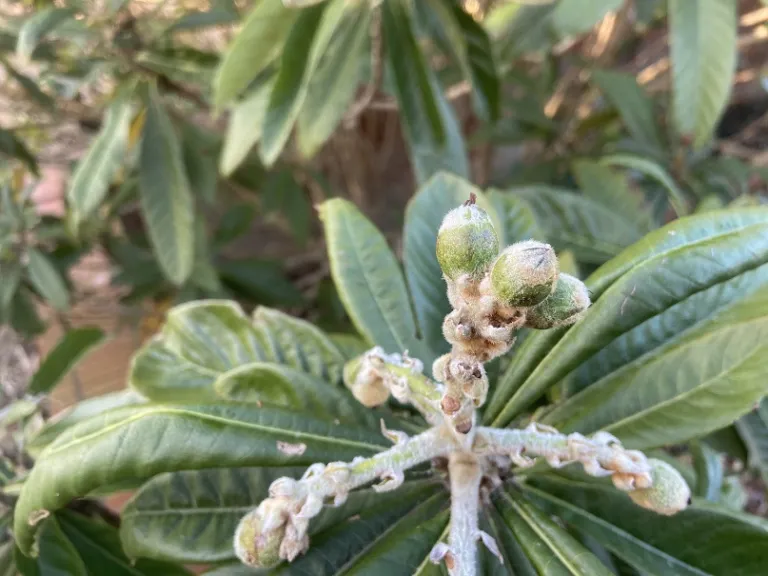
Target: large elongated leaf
{"points": [[753, 429], [515, 558], [95, 172], [57, 556], [38, 26], [699, 540], [699, 230], [572, 222], [634, 106], [335, 81], [68, 351], [550, 548], [309, 39], [381, 540], [166, 198], [425, 212], [709, 472], [140, 442], [572, 17], [703, 53], [610, 188], [653, 170], [47, 280], [368, 278], [99, 545], [258, 43], [429, 123]]}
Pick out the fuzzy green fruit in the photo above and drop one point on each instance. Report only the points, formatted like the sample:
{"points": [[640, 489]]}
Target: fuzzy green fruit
{"points": [[669, 493], [466, 242], [524, 274], [255, 548], [563, 307]]}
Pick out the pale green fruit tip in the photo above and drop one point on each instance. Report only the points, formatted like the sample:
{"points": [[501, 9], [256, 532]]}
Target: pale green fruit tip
{"points": [[466, 242], [254, 548], [524, 274], [669, 493], [563, 307], [369, 390]]}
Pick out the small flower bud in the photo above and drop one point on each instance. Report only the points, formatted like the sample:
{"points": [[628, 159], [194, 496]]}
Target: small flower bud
{"points": [[255, 547], [563, 307], [524, 274], [466, 242], [365, 384], [669, 493]]}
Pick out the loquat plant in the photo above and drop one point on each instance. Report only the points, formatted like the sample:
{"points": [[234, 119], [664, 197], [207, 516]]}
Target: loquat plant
{"points": [[263, 445]]}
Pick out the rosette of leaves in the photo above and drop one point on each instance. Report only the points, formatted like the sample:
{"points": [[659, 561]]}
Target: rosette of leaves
{"points": [[672, 349]]}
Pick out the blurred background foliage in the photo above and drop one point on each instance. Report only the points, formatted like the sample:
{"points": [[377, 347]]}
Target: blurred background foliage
{"points": [[154, 152]]}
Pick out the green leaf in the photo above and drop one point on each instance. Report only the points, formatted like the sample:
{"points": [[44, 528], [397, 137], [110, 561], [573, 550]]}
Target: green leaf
{"points": [[368, 279], [753, 429], [549, 547], [235, 222], [17, 411], [429, 123], [260, 281], [143, 441], [633, 104], [574, 17], [7, 561], [30, 86], [12, 147], [395, 536], [37, 26], [24, 316], [676, 196], [696, 541], [571, 222], [200, 151], [56, 557], [78, 413], [699, 229], [470, 47], [11, 274], [309, 39], [518, 219], [166, 199], [424, 214], [283, 194], [72, 347], [709, 472], [609, 188], [245, 126], [191, 516], [96, 171], [258, 43], [46, 280], [100, 545], [220, 13], [703, 51], [335, 80], [515, 559]]}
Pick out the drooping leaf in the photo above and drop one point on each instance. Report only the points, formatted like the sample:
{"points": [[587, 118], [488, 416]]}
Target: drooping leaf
{"points": [[283, 194], [633, 104], [709, 472], [245, 125], [753, 429], [677, 198], [424, 214], [572, 222], [99, 545], [57, 556], [703, 51], [37, 26], [47, 280], [429, 123], [143, 441], [259, 280], [309, 39], [31, 87], [335, 81], [95, 172], [368, 279], [518, 219], [166, 198], [258, 43], [696, 541], [79, 412], [573, 17], [200, 151], [12, 147], [604, 185], [699, 229], [72, 347], [549, 547], [222, 12]]}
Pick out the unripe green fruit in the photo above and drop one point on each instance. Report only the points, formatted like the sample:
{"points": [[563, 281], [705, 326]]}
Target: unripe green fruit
{"points": [[524, 274], [669, 493], [467, 242], [563, 307], [255, 548]]}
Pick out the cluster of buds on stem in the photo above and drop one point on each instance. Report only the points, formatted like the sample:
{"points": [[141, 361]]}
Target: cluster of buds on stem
{"points": [[493, 295]]}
